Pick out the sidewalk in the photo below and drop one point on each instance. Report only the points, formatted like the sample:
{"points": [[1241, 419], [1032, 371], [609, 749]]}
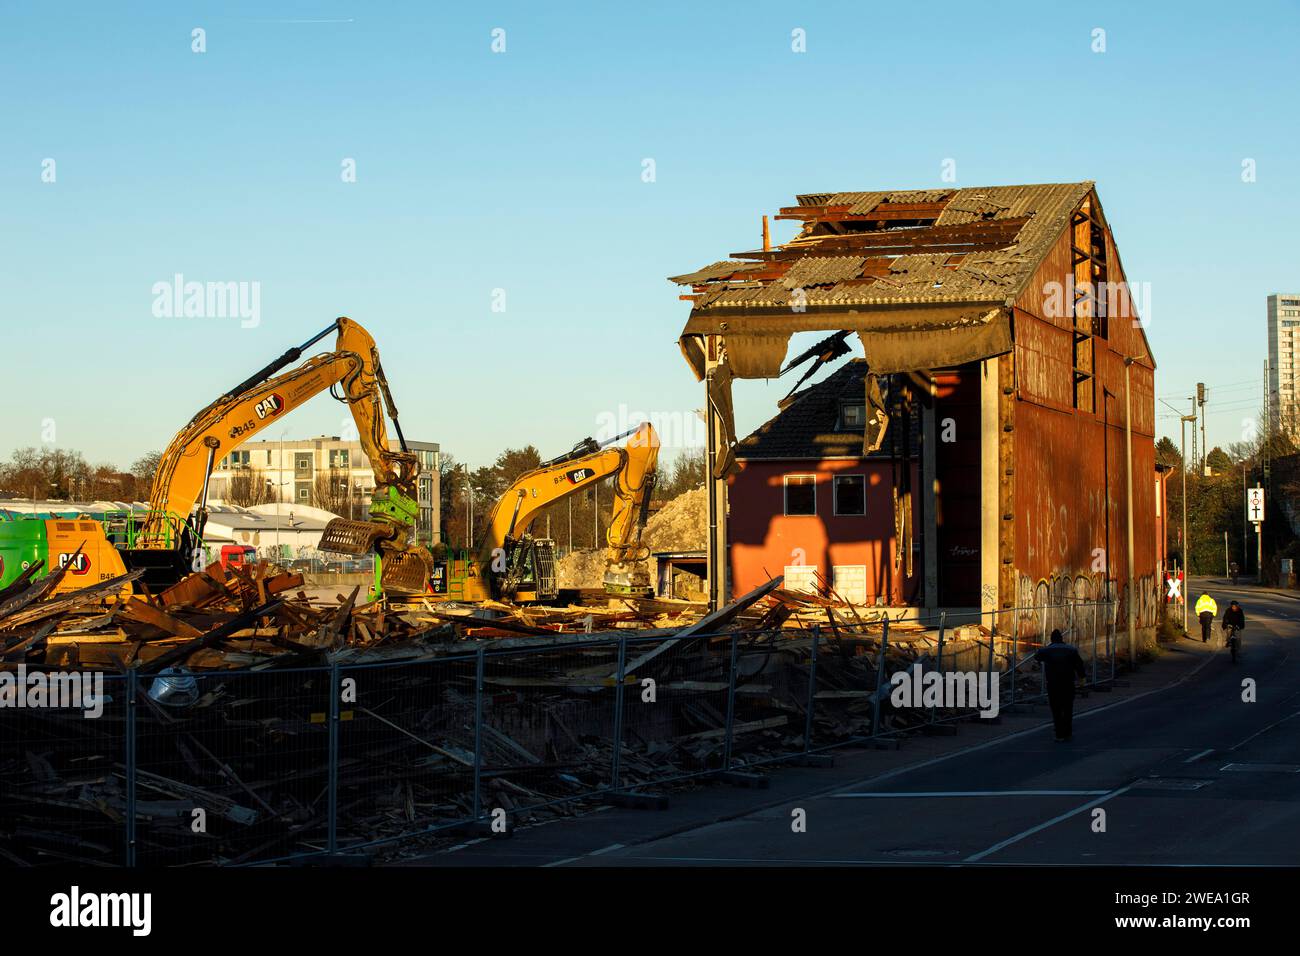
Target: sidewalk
{"points": [[561, 841], [1244, 585]]}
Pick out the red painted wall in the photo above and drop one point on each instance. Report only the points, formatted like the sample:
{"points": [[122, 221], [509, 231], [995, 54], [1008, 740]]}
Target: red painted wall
{"points": [[763, 539]]}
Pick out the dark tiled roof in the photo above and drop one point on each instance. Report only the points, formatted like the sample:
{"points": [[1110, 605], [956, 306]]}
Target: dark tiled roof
{"points": [[807, 428]]}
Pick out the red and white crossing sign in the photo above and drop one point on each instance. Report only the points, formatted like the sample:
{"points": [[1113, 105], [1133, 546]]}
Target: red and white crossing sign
{"points": [[1173, 586], [1255, 505]]}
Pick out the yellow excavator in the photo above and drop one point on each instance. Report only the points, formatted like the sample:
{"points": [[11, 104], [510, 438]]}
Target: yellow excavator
{"points": [[510, 564], [166, 546]]}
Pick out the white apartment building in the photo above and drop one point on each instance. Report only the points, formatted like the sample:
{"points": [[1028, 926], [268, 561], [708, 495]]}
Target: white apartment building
{"points": [[325, 472], [1283, 339]]}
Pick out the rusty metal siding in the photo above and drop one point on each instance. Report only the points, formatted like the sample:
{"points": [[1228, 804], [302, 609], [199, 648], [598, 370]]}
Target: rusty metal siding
{"points": [[1061, 520], [1043, 296], [1043, 369]]}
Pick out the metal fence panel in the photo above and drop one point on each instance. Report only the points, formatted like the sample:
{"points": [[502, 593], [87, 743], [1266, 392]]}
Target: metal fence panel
{"points": [[63, 786], [232, 767]]}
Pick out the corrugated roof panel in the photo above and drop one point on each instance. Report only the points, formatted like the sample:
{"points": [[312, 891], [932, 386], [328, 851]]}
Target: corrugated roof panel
{"points": [[715, 271], [822, 270], [987, 275]]}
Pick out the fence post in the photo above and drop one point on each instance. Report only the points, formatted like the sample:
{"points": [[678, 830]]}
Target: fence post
{"points": [[1110, 638], [1013, 660], [943, 621], [132, 688], [478, 734], [731, 706], [1095, 605], [332, 778], [880, 677], [812, 689], [618, 713], [1042, 642], [993, 642]]}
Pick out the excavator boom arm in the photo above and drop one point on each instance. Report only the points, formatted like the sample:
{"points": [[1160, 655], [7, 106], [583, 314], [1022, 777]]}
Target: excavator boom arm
{"points": [[255, 403], [533, 491]]}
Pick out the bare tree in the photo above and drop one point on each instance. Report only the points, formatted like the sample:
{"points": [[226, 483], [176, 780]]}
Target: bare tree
{"points": [[248, 487], [332, 491], [143, 471]]}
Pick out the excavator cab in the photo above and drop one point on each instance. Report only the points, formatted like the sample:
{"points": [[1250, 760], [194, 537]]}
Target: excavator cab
{"points": [[530, 571]]}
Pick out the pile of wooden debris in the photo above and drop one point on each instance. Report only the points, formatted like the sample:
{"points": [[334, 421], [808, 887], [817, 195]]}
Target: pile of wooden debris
{"points": [[234, 678]]}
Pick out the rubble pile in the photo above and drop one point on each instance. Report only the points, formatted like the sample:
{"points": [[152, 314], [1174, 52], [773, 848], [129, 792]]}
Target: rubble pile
{"points": [[224, 684], [680, 525]]}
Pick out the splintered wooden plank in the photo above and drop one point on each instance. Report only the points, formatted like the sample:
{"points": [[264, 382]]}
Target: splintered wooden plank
{"points": [[67, 602], [190, 590], [237, 623], [283, 582], [142, 613], [710, 622]]}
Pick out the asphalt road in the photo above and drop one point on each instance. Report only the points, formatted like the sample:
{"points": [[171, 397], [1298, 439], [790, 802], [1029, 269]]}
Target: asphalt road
{"points": [[1189, 774]]}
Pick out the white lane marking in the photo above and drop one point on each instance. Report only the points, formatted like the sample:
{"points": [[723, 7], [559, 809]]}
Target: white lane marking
{"points": [[567, 859], [794, 861], [1007, 738], [606, 849], [1195, 757], [1264, 730], [975, 793], [1002, 845]]}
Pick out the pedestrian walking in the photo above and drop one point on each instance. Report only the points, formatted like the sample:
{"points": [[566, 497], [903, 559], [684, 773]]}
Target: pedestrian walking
{"points": [[1061, 664], [1206, 612]]}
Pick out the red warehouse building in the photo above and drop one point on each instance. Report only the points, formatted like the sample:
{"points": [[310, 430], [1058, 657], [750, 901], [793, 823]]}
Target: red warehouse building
{"points": [[983, 432]]}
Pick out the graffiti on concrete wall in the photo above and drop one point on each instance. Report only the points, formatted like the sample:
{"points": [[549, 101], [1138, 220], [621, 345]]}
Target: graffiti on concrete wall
{"points": [[1053, 602]]}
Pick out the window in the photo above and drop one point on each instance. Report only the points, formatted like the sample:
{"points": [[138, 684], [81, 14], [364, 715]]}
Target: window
{"points": [[302, 463], [853, 416], [850, 494], [338, 458], [800, 494], [800, 577]]}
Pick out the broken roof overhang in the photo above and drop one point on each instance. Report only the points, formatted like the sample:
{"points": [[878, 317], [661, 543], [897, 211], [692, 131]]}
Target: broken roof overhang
{"points": [[926, 278], [894, 338]]}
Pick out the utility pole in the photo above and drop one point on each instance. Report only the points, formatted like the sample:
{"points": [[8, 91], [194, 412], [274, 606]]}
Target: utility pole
{"points": [[1186, 544], [1245, 554], [1195, 425], [1200, 400], [1128, 468]]}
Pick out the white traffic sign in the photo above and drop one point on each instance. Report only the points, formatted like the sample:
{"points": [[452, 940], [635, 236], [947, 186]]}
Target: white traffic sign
{"points": [[1255, 505]]}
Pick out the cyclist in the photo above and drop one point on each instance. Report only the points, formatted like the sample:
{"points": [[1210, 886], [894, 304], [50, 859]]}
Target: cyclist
{"points": [[1234, 620], [1206, 609]]}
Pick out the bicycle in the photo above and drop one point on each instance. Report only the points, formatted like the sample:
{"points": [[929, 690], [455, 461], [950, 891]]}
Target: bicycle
{"points": [[1231, 640]]}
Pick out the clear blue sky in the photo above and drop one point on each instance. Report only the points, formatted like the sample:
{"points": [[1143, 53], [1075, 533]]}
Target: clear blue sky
{"points": [[522, 171]]}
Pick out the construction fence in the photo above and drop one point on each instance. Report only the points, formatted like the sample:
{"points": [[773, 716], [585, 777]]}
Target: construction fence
{"points": [[396, 757]]}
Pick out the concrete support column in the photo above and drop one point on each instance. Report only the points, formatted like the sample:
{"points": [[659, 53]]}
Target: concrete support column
{"points": [[990, 482], [930, 526]]}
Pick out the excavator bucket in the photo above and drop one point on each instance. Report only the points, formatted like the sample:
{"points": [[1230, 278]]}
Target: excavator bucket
{"points": [[405, 572], [626, 581], [344, 536]]}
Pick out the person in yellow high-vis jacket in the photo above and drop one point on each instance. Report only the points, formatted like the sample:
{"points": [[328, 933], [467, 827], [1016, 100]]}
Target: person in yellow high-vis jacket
{"points": [[1206, 610]]}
